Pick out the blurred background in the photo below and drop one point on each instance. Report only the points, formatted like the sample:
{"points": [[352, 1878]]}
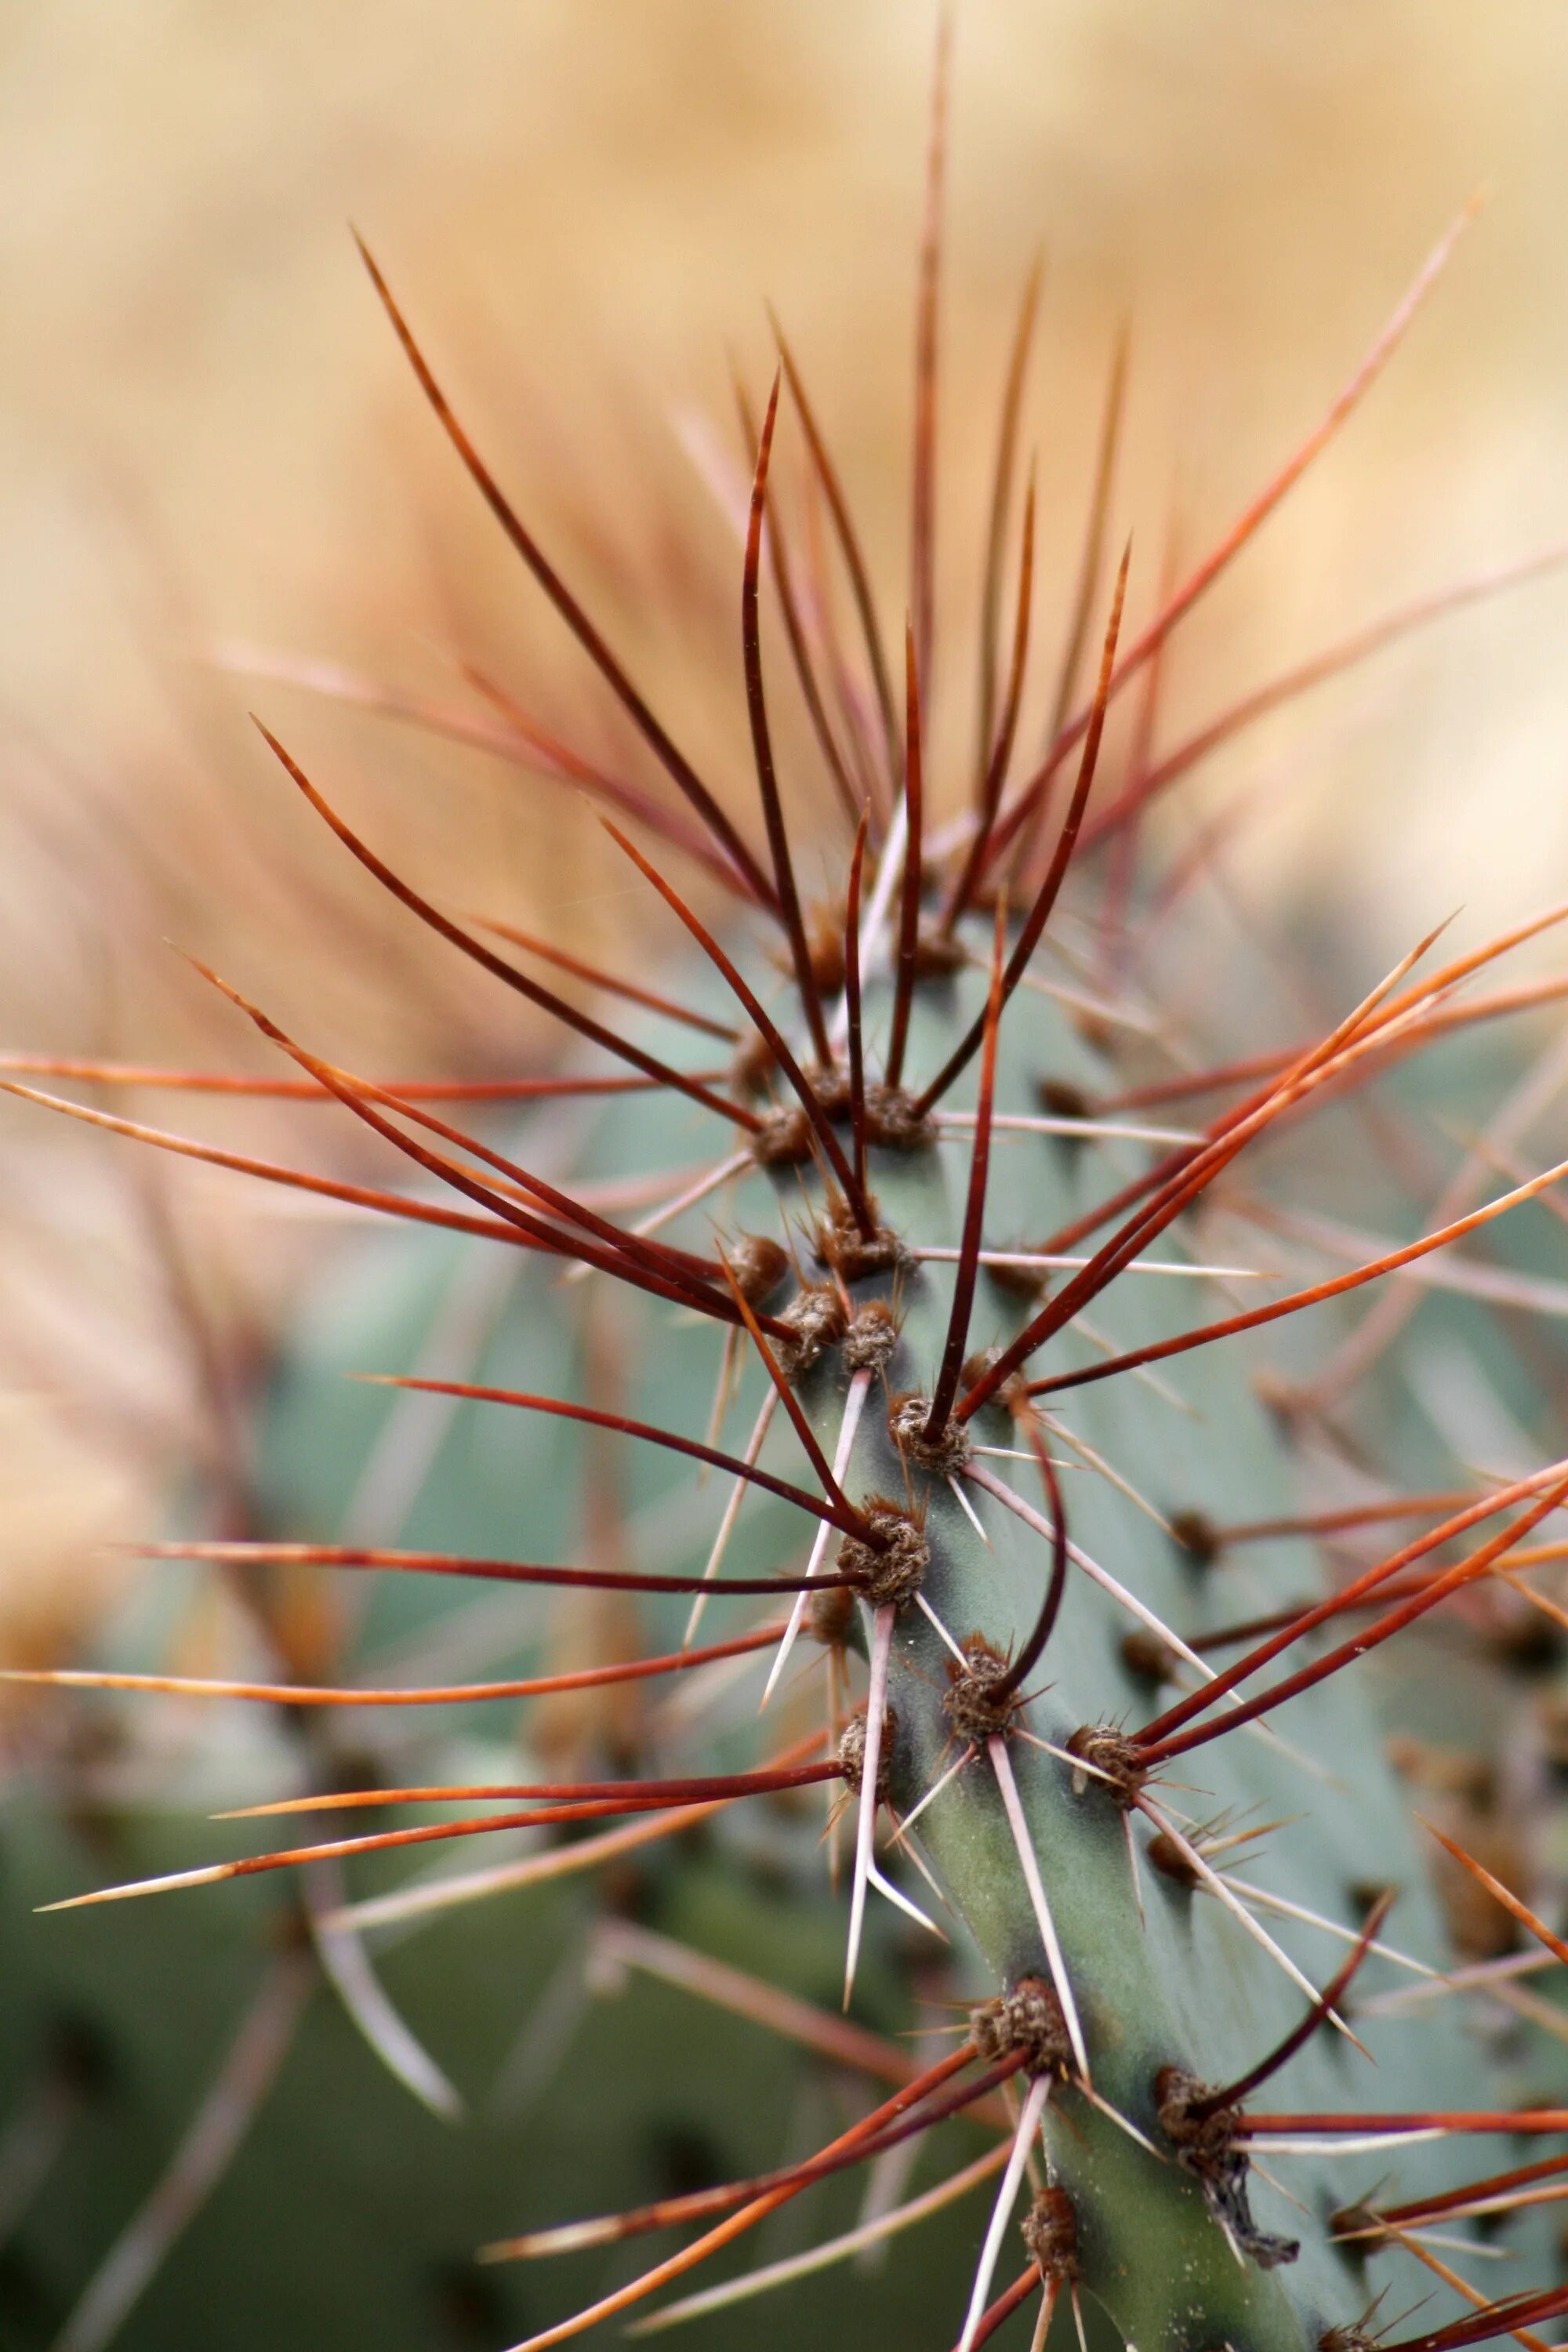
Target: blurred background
{"points": [[212, 456]]}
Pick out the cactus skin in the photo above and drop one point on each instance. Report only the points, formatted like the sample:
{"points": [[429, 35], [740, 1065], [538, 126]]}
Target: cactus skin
{"points": [[1162, 1975]]}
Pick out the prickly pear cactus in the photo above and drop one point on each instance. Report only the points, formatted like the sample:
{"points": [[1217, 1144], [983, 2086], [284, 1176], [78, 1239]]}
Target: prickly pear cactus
{"points": [[890, 1365]]}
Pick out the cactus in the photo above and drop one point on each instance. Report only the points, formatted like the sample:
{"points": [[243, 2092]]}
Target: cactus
{"points": [[1126, 1788]]}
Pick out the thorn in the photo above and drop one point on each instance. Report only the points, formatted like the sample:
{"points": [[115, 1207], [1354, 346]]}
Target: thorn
{"points": [[854, 561], [1002, 1765], [943, 1634], [853, 2148], [498, 968], [669, 1273], [1401, 1025], [732, 1512], [871, 1771], [1095, 530], [785, 893], [1046, 897], [794, 630], [1091, 1460], [1372, 1580], [1495, 2319], [1034, 2107], [609, 982], [346, 1966], [1313, 1295], [805, 1094], [356, 1695], [1034, 1649], [1176, 1182], [1132, 1865], [996, 525], [1340, 1522], [890, 866], [1092, 1568], [1477, 2196], [1434, 1978], [1113, 2115], [723, 1172], [1237, 1909], [993, 772], [970, 1513], [576, 1810], [868, 2129], [922, 531], [955, 1346], [1499, 1892], [834, 2250], [627, 1945], [1466, 1571], [1247, 522], [440, 1564], [306, 1090], [853, 1025], [510, 735], [900, 1901], [359, 1196], [673, 760], [849, 1522], [1348, 652], [698, 1790], [1078, 1130], [934, 1791], [1323, 2009], [1505, 2121], [909, 901], [854, 1403], [210, 1876], [792, 1405]]}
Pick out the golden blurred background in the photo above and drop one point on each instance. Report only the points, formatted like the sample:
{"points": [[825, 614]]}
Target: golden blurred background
{"points": [[207, 437]]}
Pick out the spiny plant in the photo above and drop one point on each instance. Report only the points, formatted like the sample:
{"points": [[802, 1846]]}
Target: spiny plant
{"points": [[1039, 1636]]}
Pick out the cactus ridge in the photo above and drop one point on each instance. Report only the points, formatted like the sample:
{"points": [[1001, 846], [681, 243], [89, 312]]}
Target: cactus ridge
{"points": [[1083, 1737]]}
